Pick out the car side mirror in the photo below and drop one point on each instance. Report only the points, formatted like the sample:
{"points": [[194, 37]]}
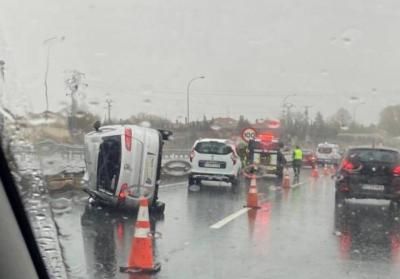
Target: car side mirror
{"points": [[97, 125], [165, 134]]}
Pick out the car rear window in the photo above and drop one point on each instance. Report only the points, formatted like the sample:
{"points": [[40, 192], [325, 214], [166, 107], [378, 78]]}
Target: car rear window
{"points": [[376, 155], [213, 147], [325, 150]]}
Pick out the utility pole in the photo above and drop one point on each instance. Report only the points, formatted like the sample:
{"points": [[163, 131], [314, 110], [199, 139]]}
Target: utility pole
{"points": [[73, 84], [286, 107], [109, 102], [48, 42], [306, 114]]}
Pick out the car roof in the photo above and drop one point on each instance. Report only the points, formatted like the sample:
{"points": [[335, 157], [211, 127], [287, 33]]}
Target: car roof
{"points": [[374, 148], [215, 140], [327, 144], [114, 130]]}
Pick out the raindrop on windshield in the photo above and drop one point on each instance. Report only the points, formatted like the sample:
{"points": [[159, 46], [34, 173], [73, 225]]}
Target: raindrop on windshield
{"points": [[346, 40], [215, 127], [80, 114], [194, 188]]}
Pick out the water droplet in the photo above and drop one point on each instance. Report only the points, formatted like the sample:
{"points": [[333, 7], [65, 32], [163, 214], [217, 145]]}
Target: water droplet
{"points": [[80, 114], [61, 205], [215, 127], [346, 40], [194, 188]]}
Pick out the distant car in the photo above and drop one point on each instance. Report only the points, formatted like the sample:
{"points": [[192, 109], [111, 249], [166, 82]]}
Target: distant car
{"points": [[214, 160], [266, 157], [309, 158], [328, 153], [367, 172], [123, 162]]}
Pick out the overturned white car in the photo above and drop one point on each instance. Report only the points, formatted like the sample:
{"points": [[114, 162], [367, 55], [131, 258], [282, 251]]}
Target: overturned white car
{"points": [[123, 162]]}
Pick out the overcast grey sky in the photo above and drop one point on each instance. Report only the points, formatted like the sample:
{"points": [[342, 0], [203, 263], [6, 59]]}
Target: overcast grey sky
{"points": [[252, 53]]}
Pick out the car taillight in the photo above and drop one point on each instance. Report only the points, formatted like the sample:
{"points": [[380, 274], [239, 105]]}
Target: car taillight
{"points": [[347, 165], [234, 159], [191, 157], [128, 139], [396, 171], [123, 193]]}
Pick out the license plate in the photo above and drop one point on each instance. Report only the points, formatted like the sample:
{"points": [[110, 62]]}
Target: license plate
{"points": [[373, 187], [211, 165]]}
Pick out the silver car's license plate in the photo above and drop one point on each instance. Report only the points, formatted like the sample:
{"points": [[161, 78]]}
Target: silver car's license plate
{"points": [[373, 187], [212, 165]]}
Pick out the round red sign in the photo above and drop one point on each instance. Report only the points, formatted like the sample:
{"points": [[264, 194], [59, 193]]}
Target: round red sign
{"points": [[248, 134]]}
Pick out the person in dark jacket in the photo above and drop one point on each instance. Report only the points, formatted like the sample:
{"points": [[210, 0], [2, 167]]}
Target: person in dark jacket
{"points": [[281, 161]]}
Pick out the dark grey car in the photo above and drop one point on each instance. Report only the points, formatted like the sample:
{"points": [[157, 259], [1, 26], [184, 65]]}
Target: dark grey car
{"points": [[367, 172]]}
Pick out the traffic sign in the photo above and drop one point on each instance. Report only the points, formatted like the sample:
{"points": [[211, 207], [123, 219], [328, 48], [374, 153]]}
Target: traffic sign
{"points": [[248, 134]]}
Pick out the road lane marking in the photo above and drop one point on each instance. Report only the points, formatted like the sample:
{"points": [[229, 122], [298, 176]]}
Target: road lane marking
{"points": [[229, 218], [298, 184], [163, 186], [279, 188]]}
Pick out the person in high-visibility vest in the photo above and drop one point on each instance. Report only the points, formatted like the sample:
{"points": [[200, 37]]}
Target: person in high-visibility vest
{"points": [[297, 160]]}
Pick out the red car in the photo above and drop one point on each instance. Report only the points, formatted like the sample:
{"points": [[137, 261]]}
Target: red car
{"points": [[309, 158]]}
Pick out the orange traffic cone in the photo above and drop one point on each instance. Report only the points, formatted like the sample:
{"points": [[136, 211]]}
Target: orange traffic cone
{"points": [[141, 254], [314, 172], [286, 179], [252, 196]]}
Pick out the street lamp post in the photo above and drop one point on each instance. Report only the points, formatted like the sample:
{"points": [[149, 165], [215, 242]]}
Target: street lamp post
{"points": [[187, 97], [286, 105], [48, 43]]}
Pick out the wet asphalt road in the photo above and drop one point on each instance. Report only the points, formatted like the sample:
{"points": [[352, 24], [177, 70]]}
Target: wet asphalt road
{"points": [[292, 235]]}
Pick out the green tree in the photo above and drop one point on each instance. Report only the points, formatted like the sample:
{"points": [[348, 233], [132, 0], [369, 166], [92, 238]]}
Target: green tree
{"points": [[343, 117], [390, 120]]}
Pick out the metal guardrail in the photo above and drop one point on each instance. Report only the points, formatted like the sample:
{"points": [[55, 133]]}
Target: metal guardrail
{"points": [[175, 154]]}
